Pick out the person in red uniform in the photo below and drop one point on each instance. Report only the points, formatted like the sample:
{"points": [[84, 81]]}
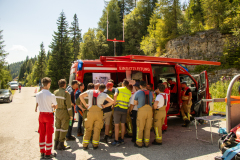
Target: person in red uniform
{"points": [[167, 91], [46, 102], [20, 87], [173, 85]]}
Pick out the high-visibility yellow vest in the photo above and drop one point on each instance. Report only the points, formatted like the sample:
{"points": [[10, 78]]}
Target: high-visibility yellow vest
{"points": [[123, 97]]}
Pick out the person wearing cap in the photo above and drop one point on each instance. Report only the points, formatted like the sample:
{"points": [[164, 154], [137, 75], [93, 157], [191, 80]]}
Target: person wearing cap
{"points": [[186, 96], [107, 112], [133, 111], [143, 100], [111, 119], [159, 113]]}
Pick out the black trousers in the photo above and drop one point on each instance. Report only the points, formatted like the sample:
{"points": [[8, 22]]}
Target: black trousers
{"points": [[69, 133], [134, 123]]}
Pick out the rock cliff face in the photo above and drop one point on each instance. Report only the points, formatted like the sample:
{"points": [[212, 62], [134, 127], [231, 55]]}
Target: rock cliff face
{"points": [[207, 45]]}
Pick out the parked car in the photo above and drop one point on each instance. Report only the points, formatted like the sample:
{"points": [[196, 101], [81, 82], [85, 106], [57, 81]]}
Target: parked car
{"points": [[6, 95], [14, 85]]}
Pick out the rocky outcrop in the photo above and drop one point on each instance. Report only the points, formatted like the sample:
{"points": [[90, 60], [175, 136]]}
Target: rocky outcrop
{"points": [[207, 45], [216, 75]]}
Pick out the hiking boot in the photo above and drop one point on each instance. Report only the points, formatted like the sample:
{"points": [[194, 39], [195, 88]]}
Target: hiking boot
{"points": [[85, 148], [127, 136], [42, 155], [95, 147], [55, 144], [105, 139], [156, 143], [146, 146], [79, 134], [61, 146], [50, 156], [121, 141], [135, 145], [72, 138], [115, 143], [186, 124]]}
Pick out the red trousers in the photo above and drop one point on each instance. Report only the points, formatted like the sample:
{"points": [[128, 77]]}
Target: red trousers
{"points": [[46, 129], [164, 126]]}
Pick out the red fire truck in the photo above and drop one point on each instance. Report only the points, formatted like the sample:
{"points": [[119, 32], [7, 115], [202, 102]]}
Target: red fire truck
{"points": [[153, 70]]}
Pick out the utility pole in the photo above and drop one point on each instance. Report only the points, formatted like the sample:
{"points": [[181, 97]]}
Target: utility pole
{"points": [[115, 48]]}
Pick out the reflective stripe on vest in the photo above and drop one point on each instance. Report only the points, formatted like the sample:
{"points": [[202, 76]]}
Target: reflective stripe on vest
{"points": [[123, 97], [60, 97]]}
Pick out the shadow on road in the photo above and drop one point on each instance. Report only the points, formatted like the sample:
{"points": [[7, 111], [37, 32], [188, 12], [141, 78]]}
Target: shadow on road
{"points": [[178, 143]]}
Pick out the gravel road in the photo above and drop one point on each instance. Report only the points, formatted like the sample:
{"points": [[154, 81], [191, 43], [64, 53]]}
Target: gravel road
{"points": [[19, 138]]}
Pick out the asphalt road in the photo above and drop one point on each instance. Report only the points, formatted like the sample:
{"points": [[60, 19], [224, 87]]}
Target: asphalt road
{"points": [[19, 138]]}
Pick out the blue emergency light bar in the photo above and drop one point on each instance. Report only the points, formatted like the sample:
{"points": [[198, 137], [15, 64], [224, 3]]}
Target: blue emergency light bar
{"points": [[80, 65]]}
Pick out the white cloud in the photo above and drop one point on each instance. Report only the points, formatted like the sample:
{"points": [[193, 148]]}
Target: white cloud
{"points": [[18, 48]]}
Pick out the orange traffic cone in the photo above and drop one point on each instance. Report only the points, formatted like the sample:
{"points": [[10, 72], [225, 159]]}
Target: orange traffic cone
{"points": [[35, 90]]}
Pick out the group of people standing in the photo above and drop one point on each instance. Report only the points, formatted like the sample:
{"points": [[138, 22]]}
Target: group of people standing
{"points": [[103, 104]]}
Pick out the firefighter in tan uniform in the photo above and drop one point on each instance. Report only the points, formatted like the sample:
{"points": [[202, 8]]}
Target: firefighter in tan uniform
{"points": [[144, 116], [63, 114], [186, 104], [159, 106], [94, 120]]}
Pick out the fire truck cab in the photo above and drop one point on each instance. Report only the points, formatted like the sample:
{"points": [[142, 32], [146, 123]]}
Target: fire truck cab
{"points": [[153, 70]]}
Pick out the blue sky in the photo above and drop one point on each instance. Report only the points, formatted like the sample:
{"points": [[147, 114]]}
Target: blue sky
{"points": [[28, 23]]}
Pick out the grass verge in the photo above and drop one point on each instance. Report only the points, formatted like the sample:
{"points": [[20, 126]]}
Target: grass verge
{"points": [[219, 90]]}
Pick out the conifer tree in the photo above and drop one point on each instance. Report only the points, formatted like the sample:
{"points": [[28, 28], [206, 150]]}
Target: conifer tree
{"points": [[214, 12], [5, 76], [75, 33], [194, 14], [41, 63], [165, 24], [93, 44], [136, 24], [114, 26], [61, 57]]}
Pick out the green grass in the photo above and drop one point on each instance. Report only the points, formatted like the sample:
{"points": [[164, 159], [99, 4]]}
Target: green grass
{"points": [[219, 90]]}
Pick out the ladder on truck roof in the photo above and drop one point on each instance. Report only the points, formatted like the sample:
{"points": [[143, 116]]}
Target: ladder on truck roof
{"points": [[158, 59]]}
